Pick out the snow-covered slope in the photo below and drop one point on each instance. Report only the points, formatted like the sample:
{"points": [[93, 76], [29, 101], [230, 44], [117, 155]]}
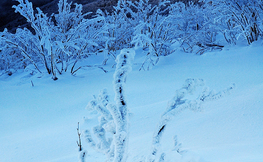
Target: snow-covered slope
{"points": [[38, 124]]}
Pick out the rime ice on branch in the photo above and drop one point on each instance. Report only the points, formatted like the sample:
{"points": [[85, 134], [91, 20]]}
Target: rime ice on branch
{"points": [[120, 114], [113, 118], [179, 103]]}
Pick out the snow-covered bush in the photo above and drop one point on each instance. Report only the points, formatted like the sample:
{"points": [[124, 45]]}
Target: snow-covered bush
{"points": [[239, 19], [42, 42], [112, 131], [56, 41], [143, 25], [194, 27], [78, 37], [180, 102], [153, 31], [16, 52], [121, 27]]}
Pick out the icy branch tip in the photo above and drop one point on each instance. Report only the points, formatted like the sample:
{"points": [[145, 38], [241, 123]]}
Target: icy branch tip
{"points": [[126, 54]]}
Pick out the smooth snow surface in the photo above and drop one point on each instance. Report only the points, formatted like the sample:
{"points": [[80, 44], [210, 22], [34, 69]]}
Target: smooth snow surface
{"points": [[38, 124]]}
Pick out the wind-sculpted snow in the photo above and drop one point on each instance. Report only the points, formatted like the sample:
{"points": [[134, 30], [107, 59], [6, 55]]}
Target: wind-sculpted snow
{"points": [[39, 123], [39, 117]]}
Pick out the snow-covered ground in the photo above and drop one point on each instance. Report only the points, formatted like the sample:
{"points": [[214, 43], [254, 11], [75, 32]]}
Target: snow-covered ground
{"points": [[38, 124]]}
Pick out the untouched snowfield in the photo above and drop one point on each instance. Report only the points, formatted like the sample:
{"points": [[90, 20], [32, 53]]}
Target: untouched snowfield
{"points": [[38, 124]]}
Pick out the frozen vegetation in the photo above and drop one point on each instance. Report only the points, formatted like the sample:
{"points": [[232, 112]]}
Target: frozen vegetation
{"points": [[175, 83], [65, 41]]}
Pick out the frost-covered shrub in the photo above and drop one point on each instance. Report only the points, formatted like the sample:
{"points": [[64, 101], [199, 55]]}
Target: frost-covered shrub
{"points": [[238, 19], [57, 41], [180, 102], [15, 51], [112, 130], [143, 25], [153, 32], [194, 27], [41, 25], [122, 27], [78, 37], [105, 123]]}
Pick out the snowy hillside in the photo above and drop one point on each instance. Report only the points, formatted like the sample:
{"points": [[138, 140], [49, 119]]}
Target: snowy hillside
{"points": [[38, 123]]}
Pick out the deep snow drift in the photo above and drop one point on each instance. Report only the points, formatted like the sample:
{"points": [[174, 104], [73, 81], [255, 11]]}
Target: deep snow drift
{"points": [[39, 123]]}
